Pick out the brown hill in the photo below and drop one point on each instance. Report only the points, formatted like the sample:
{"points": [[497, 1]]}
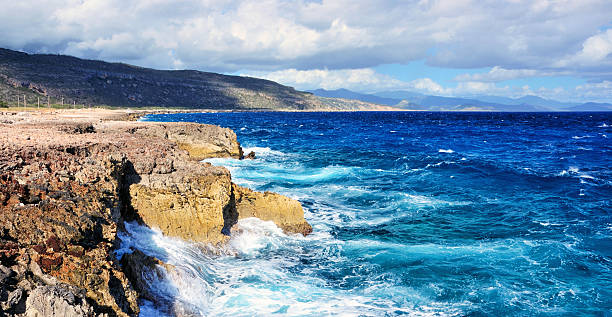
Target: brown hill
{"points": [[89, 82]]}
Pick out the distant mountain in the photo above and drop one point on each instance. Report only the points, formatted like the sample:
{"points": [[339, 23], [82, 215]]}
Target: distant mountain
{"points": [[416, 101], [531, 100], [591, 106], [347, 94], [454, 103], [74, 80], [399, 94]]}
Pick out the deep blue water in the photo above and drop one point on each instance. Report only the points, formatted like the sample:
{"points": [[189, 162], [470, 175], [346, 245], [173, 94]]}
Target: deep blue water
{"points": [[415, 213]]}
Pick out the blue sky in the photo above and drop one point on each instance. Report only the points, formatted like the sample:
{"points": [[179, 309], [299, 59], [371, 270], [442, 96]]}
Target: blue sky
{"points": [[445, 76], [559, 49]]}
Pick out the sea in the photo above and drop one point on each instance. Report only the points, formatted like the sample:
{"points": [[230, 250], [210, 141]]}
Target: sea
{"points": [[414, 213]]}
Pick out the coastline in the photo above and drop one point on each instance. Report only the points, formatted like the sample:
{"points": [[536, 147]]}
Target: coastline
{"points": [[71, 178]]}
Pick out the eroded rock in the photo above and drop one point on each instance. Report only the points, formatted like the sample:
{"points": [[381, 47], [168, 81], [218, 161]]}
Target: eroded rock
{"points": [[57, 300], [65, 192], [201, 141], [285, 212]]}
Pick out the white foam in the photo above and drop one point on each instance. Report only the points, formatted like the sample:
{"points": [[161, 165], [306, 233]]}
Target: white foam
{"points": [[446, 151], [440, 164], [569, 171], [247, 279], [263, 151], [254, 235], [425, 201]]}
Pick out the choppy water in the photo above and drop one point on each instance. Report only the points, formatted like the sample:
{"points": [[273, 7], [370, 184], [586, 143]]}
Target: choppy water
{"points": [[435, 214]]}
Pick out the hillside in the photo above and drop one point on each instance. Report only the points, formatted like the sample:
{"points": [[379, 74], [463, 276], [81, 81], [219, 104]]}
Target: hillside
{"points": [[92, 82]]}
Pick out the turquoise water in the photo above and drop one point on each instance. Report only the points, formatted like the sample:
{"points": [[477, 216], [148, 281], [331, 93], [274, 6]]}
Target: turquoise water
{"points": [[420, 214]]}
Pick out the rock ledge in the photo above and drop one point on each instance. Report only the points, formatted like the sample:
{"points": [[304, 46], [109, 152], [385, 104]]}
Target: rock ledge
{"points": [[69, 180]]}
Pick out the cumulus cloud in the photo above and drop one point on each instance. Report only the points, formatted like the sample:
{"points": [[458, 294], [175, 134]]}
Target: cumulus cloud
{"points": [[330, 44], [228, 35], [596, 54], [363, 79], [497, 74], [368, 80], [356, 79]]}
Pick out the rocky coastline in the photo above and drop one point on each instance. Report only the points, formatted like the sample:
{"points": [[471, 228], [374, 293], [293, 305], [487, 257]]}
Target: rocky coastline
{"points": [[68, 182]]}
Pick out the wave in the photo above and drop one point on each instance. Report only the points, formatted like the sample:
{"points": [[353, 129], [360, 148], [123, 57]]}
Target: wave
{"points": [[445, 151], [263, 151], [259, 260], [421, 200], [574, 171]]}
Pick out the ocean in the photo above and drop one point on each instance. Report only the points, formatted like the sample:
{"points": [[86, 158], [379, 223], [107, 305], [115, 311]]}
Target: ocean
{"points": [[414, 213]]}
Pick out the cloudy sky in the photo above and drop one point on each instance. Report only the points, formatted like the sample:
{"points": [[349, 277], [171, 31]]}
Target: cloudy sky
{"points": [[556, 49]]}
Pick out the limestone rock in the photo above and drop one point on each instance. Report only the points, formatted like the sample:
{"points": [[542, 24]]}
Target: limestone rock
{"points": [[66, 187], [193, 202], [285, 212], [201, 141], [57, 300]]}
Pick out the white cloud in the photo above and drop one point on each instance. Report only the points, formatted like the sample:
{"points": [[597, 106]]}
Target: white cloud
{"points": [[596, 51], [228, 35], [595, 91], [368, 80], [426, 85], [497, 74], [331, 43], [356, 79]]}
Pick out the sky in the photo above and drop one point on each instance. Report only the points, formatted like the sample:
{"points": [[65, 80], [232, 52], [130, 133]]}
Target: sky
{"points": [[557, 49]]}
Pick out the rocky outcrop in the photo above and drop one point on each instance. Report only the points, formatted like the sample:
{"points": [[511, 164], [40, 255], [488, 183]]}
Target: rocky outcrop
{"points": [[58, 300], [67, 186], [199, 140], [59, 213], [285, 212], [194, 204]]}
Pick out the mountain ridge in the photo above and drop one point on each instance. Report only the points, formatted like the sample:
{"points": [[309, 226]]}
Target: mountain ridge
{"points": [[416, 101], [70, 80]]}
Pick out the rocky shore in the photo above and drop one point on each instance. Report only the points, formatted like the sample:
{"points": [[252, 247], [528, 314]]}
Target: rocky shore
{"points": [[69, 181]]}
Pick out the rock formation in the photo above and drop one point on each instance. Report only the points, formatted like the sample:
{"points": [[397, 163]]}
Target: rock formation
{"points": [[285, 212], [67, 185]]}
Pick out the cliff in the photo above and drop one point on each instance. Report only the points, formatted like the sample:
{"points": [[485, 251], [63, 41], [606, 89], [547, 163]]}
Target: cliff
{"points": [[69, 181]]}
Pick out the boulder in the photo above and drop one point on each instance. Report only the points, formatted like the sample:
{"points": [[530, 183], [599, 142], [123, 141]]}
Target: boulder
{"points": [[285, 212], [193, 204]]}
